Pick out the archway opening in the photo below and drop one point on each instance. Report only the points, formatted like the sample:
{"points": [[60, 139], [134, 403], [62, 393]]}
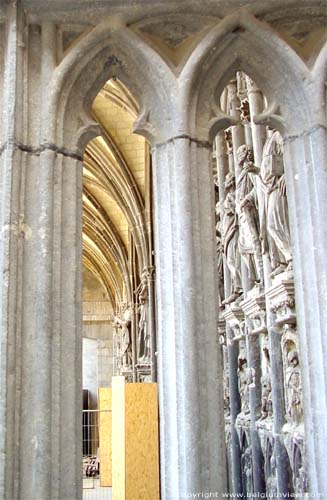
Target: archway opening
{"points": [[117, 261]]}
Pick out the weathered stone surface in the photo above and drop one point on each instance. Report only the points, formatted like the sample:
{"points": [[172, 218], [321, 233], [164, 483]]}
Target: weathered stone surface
{"points": [[48, 83]]}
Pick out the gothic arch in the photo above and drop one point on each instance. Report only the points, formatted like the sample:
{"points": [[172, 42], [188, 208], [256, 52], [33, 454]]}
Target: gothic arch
{"points": [[295, 108], [242, 42], [109, 50]]}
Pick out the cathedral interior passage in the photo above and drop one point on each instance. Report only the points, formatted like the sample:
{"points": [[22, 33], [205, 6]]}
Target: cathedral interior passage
{"points": [[163, 201]]}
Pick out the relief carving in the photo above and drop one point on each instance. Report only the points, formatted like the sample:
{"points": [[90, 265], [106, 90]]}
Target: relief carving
{"points": [[144, 351], [124, 324], [230, 235], [249, 241], [275, 232]]}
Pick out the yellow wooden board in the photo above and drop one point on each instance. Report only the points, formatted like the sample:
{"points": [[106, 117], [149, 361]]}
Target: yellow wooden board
{"points": [[141, 434], [118, 438], [135, 444], [105, 437]]}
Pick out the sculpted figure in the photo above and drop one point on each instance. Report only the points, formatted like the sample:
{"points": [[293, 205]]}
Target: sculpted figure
{"points": [[275, 232], [243, 383], [125, 347], [271, 481], [144, 354], [249, 240], [220, 258], [230, 234], [226, 394], [266, 396], [247, 470], [293, 387]]}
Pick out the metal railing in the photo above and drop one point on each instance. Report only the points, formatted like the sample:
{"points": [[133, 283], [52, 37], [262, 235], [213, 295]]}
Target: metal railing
{"points": [[91, 459]]}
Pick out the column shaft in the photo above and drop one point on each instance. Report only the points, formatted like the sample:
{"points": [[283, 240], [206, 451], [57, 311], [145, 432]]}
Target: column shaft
{"points": [[190, 367], [305, 158]]}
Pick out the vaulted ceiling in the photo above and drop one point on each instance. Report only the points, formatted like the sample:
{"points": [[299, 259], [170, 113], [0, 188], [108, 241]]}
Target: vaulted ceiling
{"points": [[114, 178]]}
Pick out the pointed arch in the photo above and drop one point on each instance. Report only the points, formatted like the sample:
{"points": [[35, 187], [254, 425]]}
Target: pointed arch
{"points": [[109, 50], [242, 42]]}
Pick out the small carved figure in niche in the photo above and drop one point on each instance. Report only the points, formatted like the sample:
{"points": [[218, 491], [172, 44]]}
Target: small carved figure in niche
{"points": [[243, 383], [229, 140], [246, 196], [300, 478], [230, 233], [220, 258], [266, 396], [126, 347], [245, 111], [117, 348], [247, 470], [301, 482], [144, 354], [270, 472], [293, 387], [266, 390], [226, 393], [275, 232]]}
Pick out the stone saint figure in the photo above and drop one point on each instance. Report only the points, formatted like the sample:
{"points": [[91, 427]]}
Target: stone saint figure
{"points": [[126, 348], [220, 258], [249, 240], [247, 471], [266, 396], [275, 232], [230, 233], [243, 383], [144, 354], [293, 387]]}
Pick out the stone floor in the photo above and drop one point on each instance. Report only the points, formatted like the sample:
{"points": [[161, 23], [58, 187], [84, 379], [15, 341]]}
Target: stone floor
{"points": [[93, 491]]}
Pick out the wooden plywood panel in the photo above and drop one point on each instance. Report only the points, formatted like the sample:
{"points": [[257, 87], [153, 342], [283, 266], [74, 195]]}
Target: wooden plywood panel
{"points": [[105, 436], [118, 438], [141, 441]]}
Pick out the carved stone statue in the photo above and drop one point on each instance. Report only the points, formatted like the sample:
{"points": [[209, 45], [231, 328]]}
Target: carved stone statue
{"points": [[266, 396], [243, 383], [270, 473], [117, 347], [124, 324], [266, 389], [301, 482], [275, 232], [144, 352], [247, 470], [230, 233], [226, 394], [249, 241], [293, 387], [220, 258]]}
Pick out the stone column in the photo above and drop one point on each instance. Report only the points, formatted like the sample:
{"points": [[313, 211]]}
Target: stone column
{"points": [[12, 230], [190, 368], [305, 166], [284, 483], [235, 408]]}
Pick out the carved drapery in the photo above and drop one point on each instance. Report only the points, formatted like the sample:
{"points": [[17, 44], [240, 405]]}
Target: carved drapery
{"points": [[257, 302]]}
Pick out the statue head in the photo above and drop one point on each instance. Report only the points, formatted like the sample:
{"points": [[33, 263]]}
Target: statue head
{"points": [[244, 153], [144, 276], [293, 358], [242, 362], [230, 181]]}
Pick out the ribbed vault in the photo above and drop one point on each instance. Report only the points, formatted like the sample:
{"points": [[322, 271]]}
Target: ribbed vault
{"points": [[114, 184]]}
